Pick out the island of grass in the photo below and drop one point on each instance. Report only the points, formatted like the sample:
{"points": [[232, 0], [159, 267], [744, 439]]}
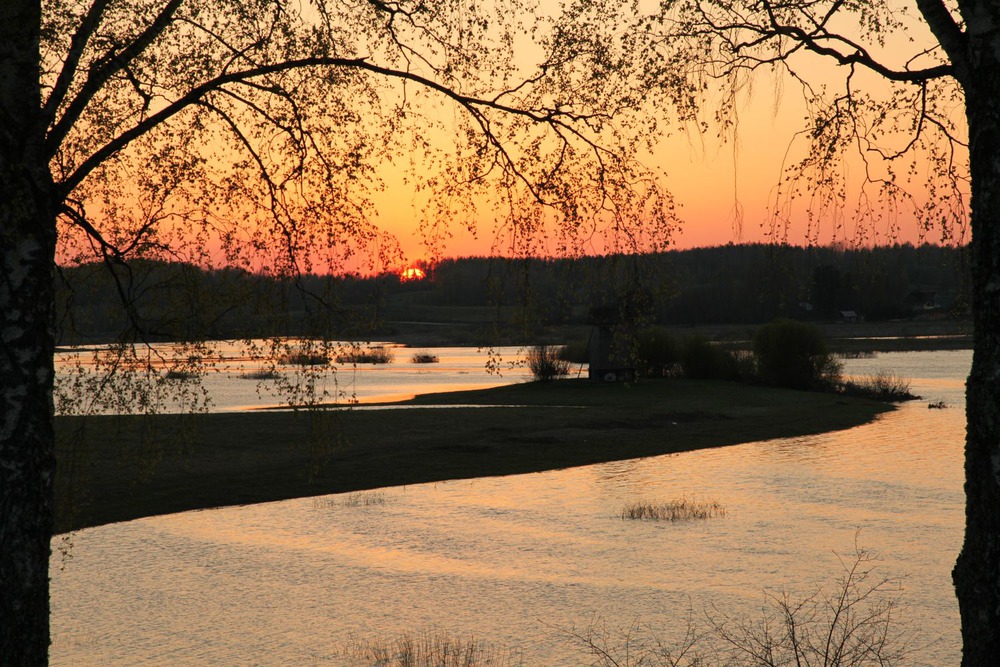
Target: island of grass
{"points": [[117, 468]]}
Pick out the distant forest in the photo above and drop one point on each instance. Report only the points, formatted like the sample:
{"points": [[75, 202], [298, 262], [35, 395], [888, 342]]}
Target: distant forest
{"points": [[518, 298]]}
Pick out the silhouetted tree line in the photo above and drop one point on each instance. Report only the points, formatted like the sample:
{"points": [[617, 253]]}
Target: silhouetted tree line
{"points": [[733, 284]]}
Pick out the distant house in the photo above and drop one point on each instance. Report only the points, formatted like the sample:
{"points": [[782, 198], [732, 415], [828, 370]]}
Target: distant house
{"points": [[849, 316]]}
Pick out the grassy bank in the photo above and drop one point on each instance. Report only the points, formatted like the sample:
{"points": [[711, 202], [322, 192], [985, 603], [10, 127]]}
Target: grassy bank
{"points": [[120, 468]]}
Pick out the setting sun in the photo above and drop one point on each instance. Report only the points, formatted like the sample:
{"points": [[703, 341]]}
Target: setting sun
{"points": [[412, 273]]}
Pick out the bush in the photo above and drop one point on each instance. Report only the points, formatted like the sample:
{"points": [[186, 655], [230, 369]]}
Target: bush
{"points": [[702, 360], [853, 622], [794, 354], [657, 353], [575, 353], [545, 364], [424, 358]]}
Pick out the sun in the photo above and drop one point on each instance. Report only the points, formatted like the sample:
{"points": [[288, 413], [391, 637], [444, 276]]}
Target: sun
{"points": [[412, 273]]}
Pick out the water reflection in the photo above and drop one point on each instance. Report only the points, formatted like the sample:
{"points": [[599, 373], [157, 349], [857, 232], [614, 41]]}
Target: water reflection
{"points": [[517, 560], [227, 375]]}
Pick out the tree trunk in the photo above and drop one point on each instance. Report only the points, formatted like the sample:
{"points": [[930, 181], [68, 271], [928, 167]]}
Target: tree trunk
{"points": [[977, 572], [27, 261]]}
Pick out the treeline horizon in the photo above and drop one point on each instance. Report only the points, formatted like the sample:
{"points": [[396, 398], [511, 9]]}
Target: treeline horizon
{"points": [[517, 298]]}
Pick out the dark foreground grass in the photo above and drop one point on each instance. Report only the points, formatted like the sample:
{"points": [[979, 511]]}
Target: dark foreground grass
{"points": [[120, 468]]}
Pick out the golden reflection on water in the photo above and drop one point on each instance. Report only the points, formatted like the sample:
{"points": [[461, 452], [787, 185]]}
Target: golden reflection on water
{"points": [[517, 560]]}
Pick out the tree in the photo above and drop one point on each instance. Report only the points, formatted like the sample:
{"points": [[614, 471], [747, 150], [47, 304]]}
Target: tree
{"points": [[255, 131], [890, 108]]}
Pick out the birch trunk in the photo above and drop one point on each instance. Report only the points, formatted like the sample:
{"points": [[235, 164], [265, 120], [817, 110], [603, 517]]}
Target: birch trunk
{"points": [[977, 572], [27, 261]]}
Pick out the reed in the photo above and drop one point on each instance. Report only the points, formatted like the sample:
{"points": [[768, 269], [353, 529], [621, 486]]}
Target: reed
{"points": [[378, 354], [674, 510], [261, 375], [882, 385], [427, 650]]}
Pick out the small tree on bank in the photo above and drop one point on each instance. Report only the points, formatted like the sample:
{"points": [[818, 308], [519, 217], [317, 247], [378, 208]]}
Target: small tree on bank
{"points": [[794, 354]]}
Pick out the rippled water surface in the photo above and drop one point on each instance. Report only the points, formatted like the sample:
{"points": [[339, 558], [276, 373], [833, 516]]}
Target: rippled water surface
{"points": [[523, 560]]}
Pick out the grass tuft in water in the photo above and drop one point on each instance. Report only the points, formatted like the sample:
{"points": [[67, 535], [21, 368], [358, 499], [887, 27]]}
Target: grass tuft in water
{"points": [[377, 354], [882, 385], [674, 510], [428, 650]]}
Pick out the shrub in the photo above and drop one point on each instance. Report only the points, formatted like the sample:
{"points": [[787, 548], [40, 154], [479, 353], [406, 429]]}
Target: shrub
{"points": [[545, 364], [424, 358], [744, 364], [702, 360], [575, 353], [794, 354], [657, 353], [854, 622]]}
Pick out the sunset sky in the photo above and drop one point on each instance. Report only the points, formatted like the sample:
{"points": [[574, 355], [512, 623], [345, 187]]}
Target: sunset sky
{"points": [[726, 191], [710, 180]]}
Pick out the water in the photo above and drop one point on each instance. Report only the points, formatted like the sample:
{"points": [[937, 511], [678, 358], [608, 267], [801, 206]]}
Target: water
{"points": [[226, 374], [526, 561]]}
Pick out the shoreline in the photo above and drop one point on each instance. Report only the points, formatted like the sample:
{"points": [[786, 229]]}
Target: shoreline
{"points": [[119, 468]]}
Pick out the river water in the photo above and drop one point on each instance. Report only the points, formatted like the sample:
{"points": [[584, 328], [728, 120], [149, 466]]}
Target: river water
{"points": [[526, 561]]}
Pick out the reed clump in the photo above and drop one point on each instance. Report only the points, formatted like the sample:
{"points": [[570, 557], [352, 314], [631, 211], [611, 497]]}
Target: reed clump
{"points": [[304, 359], [882, 385], [424, 358], [428, 650], [674, 510], [261, 375], [378, 354]]}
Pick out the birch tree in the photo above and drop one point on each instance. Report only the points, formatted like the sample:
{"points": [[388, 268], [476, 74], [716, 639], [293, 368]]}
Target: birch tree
{"points": [[909, 100], [236, 129]]}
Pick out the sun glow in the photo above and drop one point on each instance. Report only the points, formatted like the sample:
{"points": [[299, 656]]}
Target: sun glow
{"points": [[412, 273]]}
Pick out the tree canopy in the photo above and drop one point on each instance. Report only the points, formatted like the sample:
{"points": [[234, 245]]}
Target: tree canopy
{"points": [[257, 131]]}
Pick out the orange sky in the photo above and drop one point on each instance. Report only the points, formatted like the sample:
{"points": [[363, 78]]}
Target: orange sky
{"points": [[711, 180]]}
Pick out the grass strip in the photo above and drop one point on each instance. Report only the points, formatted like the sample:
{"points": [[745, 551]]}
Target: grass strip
{"points": [[117, 468]]}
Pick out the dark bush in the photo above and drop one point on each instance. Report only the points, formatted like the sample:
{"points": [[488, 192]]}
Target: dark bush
{"points": [[657, 353], [703, 360], [794, 354], [545, 364], [575, 353]]}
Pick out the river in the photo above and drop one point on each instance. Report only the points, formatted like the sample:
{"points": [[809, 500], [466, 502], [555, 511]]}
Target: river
{"points": [[527, 561]]}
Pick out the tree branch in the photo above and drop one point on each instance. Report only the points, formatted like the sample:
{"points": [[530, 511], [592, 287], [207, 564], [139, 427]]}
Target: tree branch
{"points": [[101, 71], [945, 29], [77, 46], [554, 117], [858, 55]]}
